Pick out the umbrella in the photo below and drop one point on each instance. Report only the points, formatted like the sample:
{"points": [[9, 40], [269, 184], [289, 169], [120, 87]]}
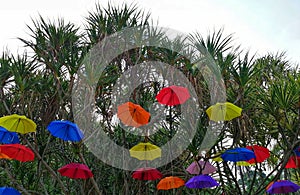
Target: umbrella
{"points": [[18, 152], [171, 182], [223, 111], [17, 123], [297, 151], [283, 187], [147, 173], [238, 154], [7, 137], [145, 151], [242, 163], [173, 95], [76, 171], [261, 153], [206, 168], [65, 130], [9, 191], [293, 163], [201, 181], [133, 114]]}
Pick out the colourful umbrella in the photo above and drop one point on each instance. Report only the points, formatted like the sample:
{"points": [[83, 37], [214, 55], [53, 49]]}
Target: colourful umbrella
{"points": [[206, 168], [293, 163], [18, 152], [171, 182], [238, 154], [9, 191], [223, 111], [76, 171], [283, 187], [261, 154], [242, 163], [7, 137], [65, 130], [173, 95], [147, 173], [297, 151], [201, 181], [17, 123], [133, 114], [145, 151]]}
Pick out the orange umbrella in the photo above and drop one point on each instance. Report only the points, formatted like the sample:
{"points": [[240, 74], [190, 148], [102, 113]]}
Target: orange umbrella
{"points": [[171, 182], [4, 156], [133, 114]]}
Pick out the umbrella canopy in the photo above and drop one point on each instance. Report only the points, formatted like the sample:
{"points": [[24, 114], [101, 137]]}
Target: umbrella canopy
{"points": [[18, 152], [76, 171], [201, 181], [147, 173], [283, 187], [65, 130], [293, 163], [133, 114], [206, 168], [17, 123], [7, 137], [242, 163], [9, 191], [261, 154], [297, 151], [145, 151], [173, 95], [171, 182], [238, 154], [223, 111]]}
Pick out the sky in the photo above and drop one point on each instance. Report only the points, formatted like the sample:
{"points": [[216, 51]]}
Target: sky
{"points": [[263, 27]]}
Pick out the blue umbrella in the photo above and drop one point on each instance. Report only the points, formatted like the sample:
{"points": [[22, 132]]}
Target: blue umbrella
{"points": [[9, 190], [283, 187], [201, 181], [7, 137], [238, 154], [297, 151], [65, 130]]}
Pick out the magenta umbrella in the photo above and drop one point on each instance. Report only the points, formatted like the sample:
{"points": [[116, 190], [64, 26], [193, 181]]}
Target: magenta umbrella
{"points": [[196, 167]]}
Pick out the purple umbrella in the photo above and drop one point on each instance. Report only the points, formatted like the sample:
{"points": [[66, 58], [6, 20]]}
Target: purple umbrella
{"points": [[201, 181], [206, 168], [283, 187]]}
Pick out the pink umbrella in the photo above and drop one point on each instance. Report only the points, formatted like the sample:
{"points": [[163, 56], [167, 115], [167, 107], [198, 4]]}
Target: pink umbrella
{"points": [[206, 168]]}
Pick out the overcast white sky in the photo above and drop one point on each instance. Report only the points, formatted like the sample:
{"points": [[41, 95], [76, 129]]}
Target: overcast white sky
{"points": [[261, 26]]}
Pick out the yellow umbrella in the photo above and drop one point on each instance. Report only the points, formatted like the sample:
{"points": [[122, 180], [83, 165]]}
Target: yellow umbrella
{"points": [[18, 123], [218, 158], [223, 111], [145, 151], [242, 163]]}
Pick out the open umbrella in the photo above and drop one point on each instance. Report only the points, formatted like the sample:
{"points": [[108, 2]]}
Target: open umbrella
{"points": [[283, 187], [201, 181], [171, 182], [145, 151], [76, 171], [9, 191], [238, 154], [7, 137], [173, 95], [261, 153], [65, 130], [223, 112], [133, 114], [206, 168], [147, 173], [18, 123], [18, 152], [297, 151], [242, 163], [293, 163]]}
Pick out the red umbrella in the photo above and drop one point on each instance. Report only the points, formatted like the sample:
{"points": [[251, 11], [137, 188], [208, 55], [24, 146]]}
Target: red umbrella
{"points": [[293, 163], [261, 153], [18, 152], [173, 95], [147, 173], [76, 171]]}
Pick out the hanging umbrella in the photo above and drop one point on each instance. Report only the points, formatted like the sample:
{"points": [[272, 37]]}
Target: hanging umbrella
{"points": [[223, 111], [147, 173], [297, 151], [17, 123], [242, 163], [283, 187], [206, 168], [65, 130], [171, 182], [293, 163], [173, 95], [9, 191], [201, 181], [133, 114], [7, 137], [145, 151], [18, 152], [261, 154], [76, 171], [238, 154]]}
